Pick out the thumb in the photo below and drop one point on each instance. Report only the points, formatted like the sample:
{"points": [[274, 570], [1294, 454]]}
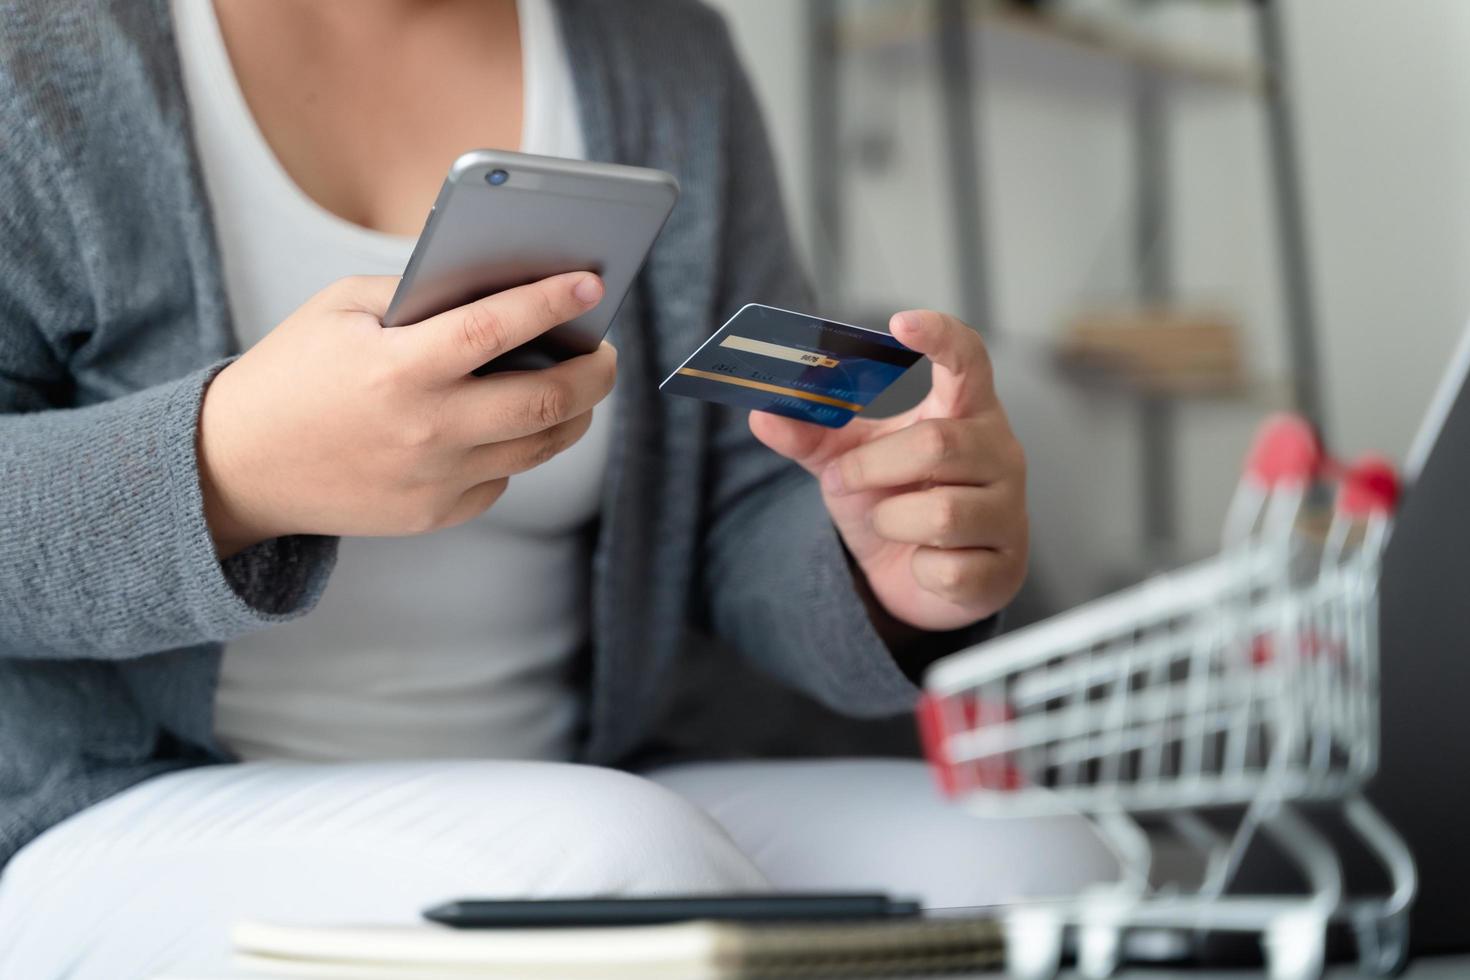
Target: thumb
{"points": [[361, 294], [813, 446]]}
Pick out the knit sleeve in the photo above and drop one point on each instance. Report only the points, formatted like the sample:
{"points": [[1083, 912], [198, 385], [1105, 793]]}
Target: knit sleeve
{"points": [[104, 549], [777, 579]]}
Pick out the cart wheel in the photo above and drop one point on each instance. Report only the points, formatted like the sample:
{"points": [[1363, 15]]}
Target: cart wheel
{"points": [[1099, 948], [1296, 946], [1161, 945], [1383, 944], [1034, 944]]}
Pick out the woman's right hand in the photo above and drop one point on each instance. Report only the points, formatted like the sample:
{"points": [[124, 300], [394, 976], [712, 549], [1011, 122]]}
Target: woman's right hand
{"points": [[334, 425]]}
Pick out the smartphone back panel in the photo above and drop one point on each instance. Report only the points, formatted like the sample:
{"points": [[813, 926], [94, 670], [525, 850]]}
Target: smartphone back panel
{"points": [[506, 219]]}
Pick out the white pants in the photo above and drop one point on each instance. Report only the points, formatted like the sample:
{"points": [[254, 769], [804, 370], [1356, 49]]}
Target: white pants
{"points": [[151, 879]]}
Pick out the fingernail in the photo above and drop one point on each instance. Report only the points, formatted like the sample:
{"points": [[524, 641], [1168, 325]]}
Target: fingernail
{"points": [[588, 290], [906, 321], [832, 480]]}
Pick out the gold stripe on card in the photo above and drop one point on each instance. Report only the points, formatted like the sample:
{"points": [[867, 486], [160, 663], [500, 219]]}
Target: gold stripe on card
{"points": [[805, 396]]}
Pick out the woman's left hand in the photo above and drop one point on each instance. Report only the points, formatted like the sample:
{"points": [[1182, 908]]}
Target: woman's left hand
{"points": [[931, 503]]}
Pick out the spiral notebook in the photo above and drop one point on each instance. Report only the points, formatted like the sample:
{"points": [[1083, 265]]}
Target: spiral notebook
{"points": [[681, 951]]}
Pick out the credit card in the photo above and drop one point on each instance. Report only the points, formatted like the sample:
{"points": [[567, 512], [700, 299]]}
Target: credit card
{"points": [[792, 364]]}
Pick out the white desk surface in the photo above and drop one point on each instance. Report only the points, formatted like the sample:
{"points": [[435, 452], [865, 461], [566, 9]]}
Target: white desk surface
{"points": [[1437, 968]]}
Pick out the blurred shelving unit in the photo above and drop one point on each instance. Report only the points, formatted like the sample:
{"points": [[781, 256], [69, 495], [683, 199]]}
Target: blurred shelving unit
{"points": [[899, 23], [1159, 69]]}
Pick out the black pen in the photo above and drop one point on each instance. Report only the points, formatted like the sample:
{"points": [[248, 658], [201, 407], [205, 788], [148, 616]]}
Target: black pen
{"points": [[492, 914]]}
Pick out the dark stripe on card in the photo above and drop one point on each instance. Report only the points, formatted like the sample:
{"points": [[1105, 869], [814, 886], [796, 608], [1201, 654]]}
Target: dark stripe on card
{"points": [[805, 396]]}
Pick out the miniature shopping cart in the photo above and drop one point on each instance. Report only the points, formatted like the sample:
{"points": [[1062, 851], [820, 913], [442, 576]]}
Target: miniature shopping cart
{"points": [[1242, 687]]}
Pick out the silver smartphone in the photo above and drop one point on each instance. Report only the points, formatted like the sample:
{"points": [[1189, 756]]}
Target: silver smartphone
{"points": [[506, 219]]}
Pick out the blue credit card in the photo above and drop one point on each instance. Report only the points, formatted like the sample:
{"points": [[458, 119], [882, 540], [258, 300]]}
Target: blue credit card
{"points": [[792, 364]]}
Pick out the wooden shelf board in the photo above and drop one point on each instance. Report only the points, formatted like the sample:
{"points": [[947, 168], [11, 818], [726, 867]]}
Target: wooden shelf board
{"points": [[911, 23], [1266, 393]]}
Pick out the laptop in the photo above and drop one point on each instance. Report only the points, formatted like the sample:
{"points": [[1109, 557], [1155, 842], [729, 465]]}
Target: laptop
{"points": [[1423, 782]]}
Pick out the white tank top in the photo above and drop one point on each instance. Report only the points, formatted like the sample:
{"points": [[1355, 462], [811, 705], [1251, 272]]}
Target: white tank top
{"points": [[454, 644]]}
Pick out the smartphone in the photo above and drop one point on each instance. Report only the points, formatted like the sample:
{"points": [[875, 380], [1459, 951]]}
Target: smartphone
{"points": [[507, 219]]}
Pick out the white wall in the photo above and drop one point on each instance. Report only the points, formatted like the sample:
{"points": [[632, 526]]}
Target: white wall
{"points": [[1385, 92], [772, 38], [1384, 109]]}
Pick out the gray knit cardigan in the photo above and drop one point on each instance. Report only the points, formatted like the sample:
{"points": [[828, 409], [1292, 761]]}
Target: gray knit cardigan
{"points": [[113, 606]]}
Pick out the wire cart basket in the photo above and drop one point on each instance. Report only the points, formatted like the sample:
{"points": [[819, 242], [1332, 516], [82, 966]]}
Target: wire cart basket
{"points": [[1245, 685]]}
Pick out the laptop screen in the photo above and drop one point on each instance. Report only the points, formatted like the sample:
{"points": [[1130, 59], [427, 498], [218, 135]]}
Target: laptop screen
{"points": [[1423, 785]]}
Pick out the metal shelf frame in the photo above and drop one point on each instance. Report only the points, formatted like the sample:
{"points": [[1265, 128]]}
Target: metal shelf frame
{"points": [[950, 23]]}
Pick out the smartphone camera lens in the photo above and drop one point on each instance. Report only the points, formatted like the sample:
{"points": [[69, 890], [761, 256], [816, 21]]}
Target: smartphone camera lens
{"points": [[496, 178]]}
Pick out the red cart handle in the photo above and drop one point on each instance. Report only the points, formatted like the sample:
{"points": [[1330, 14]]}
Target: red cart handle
{"points": [[1287, 450], [1370, 488]]}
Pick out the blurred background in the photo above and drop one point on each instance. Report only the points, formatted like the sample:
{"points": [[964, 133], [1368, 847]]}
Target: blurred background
{"points": [[1168, 217]]}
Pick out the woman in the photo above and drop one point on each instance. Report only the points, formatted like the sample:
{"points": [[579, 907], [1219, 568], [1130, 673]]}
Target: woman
{"points": [[184, 181]]}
